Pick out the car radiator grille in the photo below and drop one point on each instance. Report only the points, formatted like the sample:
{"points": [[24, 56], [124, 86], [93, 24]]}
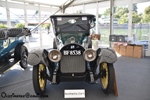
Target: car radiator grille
{"points": [[72, 64]]}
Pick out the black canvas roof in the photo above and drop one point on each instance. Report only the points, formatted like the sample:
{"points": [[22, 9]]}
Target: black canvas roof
{"points": [[72, 15]]}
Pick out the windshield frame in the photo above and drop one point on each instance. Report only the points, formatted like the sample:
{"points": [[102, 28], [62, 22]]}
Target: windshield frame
{"points": [[88, 17], [79, 37]]}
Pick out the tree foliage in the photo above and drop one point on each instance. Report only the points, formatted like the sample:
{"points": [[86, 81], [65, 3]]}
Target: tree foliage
{"points": [[136, 18], [123, 19], [46, 26], [121, 13], [19, 25], [135, 7], [146, 15], [107, 12], [99, 15], [3, 26]]}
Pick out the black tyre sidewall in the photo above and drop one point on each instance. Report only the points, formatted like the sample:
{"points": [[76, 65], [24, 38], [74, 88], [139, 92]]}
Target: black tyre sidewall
{"points": [[23, 49], [35, 80], [17, 53], [110, 79]]}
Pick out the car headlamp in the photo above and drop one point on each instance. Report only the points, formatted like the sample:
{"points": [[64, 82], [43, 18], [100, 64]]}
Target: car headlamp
{"points": [[54, 55], [89, 55]]}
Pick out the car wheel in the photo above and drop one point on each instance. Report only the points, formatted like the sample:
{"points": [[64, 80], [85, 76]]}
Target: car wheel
{"points": [[39, 78], [21, 53], [106, 77], [24, 55]]}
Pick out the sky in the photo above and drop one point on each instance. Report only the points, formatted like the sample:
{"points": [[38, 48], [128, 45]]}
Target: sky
{"points": [[142, 6]]}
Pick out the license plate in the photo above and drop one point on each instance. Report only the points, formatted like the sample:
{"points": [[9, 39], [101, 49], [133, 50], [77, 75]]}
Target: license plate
{"points": [[72, 52]]}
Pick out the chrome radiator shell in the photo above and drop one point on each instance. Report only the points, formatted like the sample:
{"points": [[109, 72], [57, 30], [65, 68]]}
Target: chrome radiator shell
{"points": [[72, 63]]}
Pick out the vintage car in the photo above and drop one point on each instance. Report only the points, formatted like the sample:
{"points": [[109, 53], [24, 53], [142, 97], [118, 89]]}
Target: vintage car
{"points": [[72, 57], [12, 49]]}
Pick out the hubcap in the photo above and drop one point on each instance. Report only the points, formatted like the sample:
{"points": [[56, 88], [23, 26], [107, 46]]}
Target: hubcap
{"points": [[104, 75], [41, 76], [24, 58]]}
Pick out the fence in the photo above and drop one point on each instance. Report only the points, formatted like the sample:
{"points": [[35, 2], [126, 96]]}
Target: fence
{"points": [[140, 31]]}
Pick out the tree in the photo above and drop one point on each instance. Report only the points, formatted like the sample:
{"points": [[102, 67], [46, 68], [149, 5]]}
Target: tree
{"points": [[120, 11], [146, 15], [135, 7], [107, 12], [99, 15], [3, 26], [123, 19], [136, 18], [47, 26], [19, 25]]}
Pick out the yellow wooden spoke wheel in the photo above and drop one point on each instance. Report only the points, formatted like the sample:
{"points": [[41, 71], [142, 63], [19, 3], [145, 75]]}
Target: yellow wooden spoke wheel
{"points": [[39, 78], [106, 77]]}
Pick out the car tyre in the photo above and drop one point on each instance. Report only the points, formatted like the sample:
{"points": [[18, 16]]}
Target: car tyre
{"points": [[21, 53], [106, 77], [39, 78]]}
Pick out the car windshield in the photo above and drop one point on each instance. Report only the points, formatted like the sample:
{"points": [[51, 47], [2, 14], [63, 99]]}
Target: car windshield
{"points": [[66, 38], [71, 24]]}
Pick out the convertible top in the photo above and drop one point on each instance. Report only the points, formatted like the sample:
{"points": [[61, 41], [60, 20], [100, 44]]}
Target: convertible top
{"points": [[63, 23], [72, 15]]}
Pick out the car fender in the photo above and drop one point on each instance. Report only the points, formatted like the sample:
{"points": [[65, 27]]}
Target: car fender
{"points": [[35, 57], [107, 55]]}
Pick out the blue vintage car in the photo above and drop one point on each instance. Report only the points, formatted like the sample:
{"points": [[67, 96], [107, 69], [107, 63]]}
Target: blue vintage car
{"points": [[12, 48]]}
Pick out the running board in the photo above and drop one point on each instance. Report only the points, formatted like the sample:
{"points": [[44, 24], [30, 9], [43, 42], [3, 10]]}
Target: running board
{"points": [[4, 67]]}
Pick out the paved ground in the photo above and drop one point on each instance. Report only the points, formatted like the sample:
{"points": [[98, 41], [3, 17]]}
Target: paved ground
{"points": [[132, 80]]}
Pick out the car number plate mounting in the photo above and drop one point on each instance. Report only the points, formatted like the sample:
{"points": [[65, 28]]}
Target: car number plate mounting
{"points": [[72, 52]]}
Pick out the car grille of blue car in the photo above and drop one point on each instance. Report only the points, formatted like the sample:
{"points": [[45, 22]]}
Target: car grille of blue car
{"points": [[72, 64]]}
